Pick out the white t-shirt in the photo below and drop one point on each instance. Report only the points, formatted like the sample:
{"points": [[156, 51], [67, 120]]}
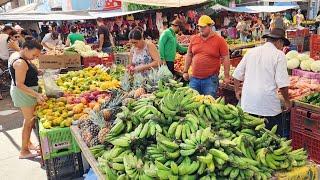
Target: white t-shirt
{"points": [[49, 41], [264, 71], [4, 50]]}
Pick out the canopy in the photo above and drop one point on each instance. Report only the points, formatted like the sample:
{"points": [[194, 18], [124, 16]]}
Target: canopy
{"points": [[254, 9], [285, 0], [63, 15], [30, 8], [166, 3]]}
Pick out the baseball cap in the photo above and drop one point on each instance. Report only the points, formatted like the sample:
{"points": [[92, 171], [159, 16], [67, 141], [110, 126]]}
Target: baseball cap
{"points": [[205, 20]]}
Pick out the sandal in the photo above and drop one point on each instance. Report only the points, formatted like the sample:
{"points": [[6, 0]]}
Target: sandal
{"points": [[34, 148], [28, 156]]}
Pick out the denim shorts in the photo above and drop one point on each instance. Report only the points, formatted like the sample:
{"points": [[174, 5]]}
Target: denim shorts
{"points": [[207, 86], [107, 49]]}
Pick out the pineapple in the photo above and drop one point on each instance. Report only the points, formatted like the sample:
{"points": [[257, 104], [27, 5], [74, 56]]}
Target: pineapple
{"points": [[88, 130], [94, 141], [138, 83], [99, 120], [125, 82], [155, 75], [109, 108]]}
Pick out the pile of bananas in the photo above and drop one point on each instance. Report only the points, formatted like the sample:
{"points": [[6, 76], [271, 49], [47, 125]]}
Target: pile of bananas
{"points": [[171, 135]]}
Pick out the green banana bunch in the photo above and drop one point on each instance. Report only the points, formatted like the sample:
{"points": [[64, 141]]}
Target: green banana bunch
{"points": [[97, 151], [135, 168], [249, 121], [122, 141]]}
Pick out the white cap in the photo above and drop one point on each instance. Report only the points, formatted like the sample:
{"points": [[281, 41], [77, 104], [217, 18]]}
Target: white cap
{"points": [[18, 28]]}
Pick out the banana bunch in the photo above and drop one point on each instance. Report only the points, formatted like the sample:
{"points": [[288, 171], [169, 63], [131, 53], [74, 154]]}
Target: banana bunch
{"points": [[245, 168], [171, 170], [135, 168], [245, 146], [182, 129], [252, 122], [146, 130], [196, 142], [204, 99], [122, 140], [214, 158], [97, 151]]}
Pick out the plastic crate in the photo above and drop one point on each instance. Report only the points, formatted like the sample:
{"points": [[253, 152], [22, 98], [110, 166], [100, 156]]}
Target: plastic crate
{"points": [[122, 58], [57, 142], [311, 144], [91, 61], [65, 167], [305, 121], [292, 33], [315, 46], [306, 74]]}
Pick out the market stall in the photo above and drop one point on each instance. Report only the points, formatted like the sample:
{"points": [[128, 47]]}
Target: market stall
{"points": [[136, 127]]}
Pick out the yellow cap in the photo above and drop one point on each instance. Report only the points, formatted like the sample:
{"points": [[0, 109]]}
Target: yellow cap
{"points": [[205, 20]]}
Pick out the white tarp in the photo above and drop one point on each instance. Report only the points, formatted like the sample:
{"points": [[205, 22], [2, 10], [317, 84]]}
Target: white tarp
{"points": [[254, 9], [67, 16], [166, 3]]}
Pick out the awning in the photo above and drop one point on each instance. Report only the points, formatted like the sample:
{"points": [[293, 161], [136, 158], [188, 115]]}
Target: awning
{"points": [[30, 8], [3, 2], [254, 9], [166, 3], [285, 0], [67, 16]]}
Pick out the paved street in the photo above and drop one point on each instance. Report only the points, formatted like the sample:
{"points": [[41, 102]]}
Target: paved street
{"points": [[11, 167]]}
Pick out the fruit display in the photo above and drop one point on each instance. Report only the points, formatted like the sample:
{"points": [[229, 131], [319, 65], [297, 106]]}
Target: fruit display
{"points": [[308, 22], [55, 52], [237, 44], [179, 63], [300, 86], [64, 110], [177, 134], [88, 79], [120, 49], [302, 61], [313, 99], [84, 50], [184, 39]]}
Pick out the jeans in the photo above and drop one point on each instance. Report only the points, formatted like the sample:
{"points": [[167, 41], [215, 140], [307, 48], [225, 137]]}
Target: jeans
{"points": [[207, 86], [107, 49], [243, 37]]}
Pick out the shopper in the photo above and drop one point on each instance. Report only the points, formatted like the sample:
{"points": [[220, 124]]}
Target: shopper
{"points": [[143, 55], [258, 30], [168, 45], [50, 41], [24, 91], [13, 42], [105, 38], [263, 71], [205, 53], [74, 36], [243, 29], [298, 18]]}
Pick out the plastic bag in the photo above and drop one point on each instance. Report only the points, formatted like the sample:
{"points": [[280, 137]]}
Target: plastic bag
{"points": [[50, 86]]}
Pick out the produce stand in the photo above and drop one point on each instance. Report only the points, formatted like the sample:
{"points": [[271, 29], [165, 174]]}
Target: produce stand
{"points": [[86, 152], [245, 45]]}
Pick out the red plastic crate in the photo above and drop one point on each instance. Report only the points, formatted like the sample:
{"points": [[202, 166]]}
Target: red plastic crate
{"points": [[305, 121], [315, 46], [91, 61], [311, 144], [292, 33]]}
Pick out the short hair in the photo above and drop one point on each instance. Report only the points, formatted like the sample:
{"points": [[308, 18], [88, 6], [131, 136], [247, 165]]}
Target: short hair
{"points": [[139, 28], [135, 34], [99, 19], [7, 28], [74, 28], [32, 44], [13, 32], [28, 38]]}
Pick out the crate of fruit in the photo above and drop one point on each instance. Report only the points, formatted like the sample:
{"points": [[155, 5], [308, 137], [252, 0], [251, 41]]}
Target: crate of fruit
{"points": [[91, 61], [310, 143], [56, 142], [64, 167]]}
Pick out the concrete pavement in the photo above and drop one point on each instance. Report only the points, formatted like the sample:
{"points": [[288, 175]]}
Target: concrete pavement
{"points": [[11, 167]]}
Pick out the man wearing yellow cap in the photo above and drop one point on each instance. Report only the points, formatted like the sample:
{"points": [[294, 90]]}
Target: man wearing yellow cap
{"points": [[207, 50]]}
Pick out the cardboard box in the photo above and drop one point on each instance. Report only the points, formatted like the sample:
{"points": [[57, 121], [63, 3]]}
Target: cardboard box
{"points": [[59, 61]]}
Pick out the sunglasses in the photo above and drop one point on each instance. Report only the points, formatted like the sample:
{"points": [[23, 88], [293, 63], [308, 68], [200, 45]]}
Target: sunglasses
{"points": [[16, 36]]}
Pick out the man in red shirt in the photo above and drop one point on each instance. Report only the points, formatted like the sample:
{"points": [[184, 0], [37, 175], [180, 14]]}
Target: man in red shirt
{"points": [[206, 52]]}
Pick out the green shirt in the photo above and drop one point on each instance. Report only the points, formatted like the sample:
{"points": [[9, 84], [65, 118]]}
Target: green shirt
{"points": [[168, 46], [73, 37]]}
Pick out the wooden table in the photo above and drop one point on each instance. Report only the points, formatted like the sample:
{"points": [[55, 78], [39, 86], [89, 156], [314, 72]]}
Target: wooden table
{"points": [[86, 152]]}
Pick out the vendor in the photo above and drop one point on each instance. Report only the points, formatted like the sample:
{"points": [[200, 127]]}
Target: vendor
{"points": [[104, 37], [298, 18], [24, 91], [74, 36], [50, 41], [258, 30], [143, 55], [168, 45], [243, 29], [205, 53], [263, 71]]}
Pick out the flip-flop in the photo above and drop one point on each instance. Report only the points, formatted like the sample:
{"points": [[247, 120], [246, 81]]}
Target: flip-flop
{"points": [[35, 148], [28, 156]]}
